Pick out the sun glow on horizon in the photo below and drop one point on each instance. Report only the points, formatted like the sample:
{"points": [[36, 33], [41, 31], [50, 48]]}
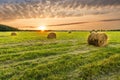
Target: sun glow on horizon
{"points": [[42, 28]]}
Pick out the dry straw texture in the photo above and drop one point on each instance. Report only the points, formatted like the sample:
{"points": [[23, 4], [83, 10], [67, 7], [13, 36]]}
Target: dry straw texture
{"points": [[51, 36], [13, 34], [69, 32], [97, 39]]}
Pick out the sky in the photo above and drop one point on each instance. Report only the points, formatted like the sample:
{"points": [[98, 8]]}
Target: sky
{"points": [[61, 14]]}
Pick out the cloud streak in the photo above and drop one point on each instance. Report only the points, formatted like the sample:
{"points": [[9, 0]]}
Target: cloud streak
{"points": [[22, 9], [69, 24], [109, 20], [75, 23]]}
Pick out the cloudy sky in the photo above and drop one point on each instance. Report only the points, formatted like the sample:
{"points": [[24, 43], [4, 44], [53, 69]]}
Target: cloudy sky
{"points": [[61, 14]]}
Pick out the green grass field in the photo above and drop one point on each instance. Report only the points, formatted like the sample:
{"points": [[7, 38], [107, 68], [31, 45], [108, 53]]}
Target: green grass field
{"points": [[31, 56]]}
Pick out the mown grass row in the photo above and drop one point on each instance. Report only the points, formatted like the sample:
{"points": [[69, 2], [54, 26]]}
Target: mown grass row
{"points": [[66, 58], [88, 67], [70, 62]]}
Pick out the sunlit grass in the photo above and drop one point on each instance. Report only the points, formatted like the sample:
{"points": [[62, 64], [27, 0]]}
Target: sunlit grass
{"points": [[31, 56]]}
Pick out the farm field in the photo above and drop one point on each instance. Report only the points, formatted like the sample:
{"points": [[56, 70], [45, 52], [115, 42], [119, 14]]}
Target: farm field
{"points": [[31, 56]]}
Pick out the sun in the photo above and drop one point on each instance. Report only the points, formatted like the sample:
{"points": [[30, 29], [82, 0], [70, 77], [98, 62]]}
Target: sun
{"points": [[42, 28]]}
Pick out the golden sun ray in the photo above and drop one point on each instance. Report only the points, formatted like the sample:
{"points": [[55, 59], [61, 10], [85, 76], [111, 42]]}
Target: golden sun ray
{"points": [[42, 28]]}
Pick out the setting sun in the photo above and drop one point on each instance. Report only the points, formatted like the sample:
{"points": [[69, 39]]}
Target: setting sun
{"points": [[42, 28]]}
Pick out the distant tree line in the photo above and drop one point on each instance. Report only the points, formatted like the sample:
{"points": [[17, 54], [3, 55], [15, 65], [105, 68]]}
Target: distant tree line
{"points": [[8, 28], [115, 30]]}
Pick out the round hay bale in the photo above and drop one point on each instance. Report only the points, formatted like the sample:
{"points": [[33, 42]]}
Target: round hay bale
{"points": [[69, 32], [94, 31], [13, 34], [51, 36], [97, 39]]}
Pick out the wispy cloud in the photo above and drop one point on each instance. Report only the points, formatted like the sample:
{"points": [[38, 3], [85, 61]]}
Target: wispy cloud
{"points": [[75, 23], [69, 24], [109, 20], [22, 9]]}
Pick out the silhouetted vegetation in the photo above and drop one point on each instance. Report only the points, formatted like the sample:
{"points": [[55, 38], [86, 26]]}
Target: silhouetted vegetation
{"points": [[7, 28]]}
